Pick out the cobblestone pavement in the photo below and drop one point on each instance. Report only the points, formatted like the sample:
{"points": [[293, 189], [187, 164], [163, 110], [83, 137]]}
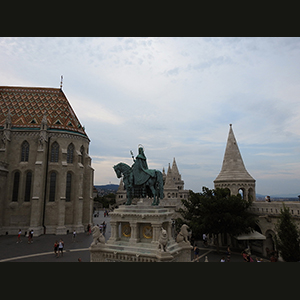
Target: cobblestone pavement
{"points": [[41, 250]]}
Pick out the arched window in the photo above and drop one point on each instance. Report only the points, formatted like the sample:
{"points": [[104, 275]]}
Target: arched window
{"points": [[28, 186], [68, 186], [52, 186], [82, 154], [25, 151], [54, 152], [242, 193], [70, 154], [15, 193]]}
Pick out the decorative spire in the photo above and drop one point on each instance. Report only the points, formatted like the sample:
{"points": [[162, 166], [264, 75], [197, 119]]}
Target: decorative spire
{"points": [[121, 185], [233, 166], [61, 81], [44, 120], [8, 120], [169, 169], [175, 168], [169, 182]]}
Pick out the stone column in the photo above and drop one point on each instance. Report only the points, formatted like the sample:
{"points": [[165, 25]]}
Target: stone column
{"points": [[114, 231], [246, 193], [78, 203], [37, 203], [169, 230], [134, 238], [156, 232], [88, 180], [77, 224], [61, 208]]}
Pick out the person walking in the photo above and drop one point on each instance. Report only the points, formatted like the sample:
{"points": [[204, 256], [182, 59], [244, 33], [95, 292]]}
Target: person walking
{"points": [[103, 227], [19, 236], [204, 238], [74, 235], [61, 247], [30, 236], [228, 252], [56, 249], [245, 257], [196, 252]]}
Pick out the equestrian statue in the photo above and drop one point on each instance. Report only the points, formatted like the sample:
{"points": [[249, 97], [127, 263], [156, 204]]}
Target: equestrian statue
{"points": [[139, 181]]}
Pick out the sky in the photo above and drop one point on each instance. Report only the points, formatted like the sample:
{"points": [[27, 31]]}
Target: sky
{"points": [[176, 96]]}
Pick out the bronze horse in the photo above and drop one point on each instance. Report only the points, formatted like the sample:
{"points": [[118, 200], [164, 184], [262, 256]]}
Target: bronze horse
{"points": [[152, 187]]}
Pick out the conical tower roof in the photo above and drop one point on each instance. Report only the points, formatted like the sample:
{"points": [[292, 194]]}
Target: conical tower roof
{"points": [[233, 168], [121, 186], [169, 183], [174, 168]]}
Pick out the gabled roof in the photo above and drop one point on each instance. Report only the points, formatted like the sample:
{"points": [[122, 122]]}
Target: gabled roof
{"points": [[233, 167], [27, 106]]}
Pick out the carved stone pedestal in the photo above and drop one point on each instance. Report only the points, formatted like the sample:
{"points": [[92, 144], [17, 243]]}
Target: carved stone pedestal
{"points": [[135, 235]]}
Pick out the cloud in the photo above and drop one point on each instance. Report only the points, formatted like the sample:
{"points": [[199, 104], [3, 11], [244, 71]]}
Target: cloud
{"points": [[172, 72], [273, 154], [174, 95], [95, 112]]}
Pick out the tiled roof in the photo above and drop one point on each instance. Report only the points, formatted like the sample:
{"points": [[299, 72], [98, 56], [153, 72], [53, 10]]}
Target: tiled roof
{"points": [[27, 106]]}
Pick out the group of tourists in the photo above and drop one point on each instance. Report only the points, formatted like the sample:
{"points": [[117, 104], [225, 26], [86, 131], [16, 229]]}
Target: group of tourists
{"points": [[59, 248], [247, 257], [102, 227], [30, 236]]}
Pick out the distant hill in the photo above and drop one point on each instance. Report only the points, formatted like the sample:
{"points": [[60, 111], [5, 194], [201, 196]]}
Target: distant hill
{"points": [[287, 197], [110, 187], [279, 196]]}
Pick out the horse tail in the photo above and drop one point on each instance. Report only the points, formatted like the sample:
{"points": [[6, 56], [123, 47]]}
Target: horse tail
{"points": [[160, 183]]}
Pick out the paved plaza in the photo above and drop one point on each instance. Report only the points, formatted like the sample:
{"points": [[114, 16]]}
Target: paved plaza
{"points": [[41, 250]]}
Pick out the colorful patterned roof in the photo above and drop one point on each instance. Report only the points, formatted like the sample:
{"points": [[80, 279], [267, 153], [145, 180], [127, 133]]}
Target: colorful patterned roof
{"points": [[27, 106]]}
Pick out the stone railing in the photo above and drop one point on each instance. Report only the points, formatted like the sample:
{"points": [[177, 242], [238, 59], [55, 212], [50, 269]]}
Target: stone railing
{"points": [[273, 208]]}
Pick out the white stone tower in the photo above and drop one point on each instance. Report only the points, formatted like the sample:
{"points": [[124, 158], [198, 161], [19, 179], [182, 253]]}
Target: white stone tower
{"points": [[234, 175]]}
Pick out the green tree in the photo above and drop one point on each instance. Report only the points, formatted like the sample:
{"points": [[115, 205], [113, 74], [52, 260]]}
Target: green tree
{"points": [[217, 212], [106, 200], [287, 238]]}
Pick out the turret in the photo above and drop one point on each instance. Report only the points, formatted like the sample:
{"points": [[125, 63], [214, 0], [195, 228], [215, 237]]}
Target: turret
{"points": [[234, 175]]}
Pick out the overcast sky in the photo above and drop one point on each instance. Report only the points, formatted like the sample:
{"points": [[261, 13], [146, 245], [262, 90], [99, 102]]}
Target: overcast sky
{"points": [[177, 97]]}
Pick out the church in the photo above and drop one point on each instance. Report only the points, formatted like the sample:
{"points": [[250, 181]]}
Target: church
{"points": [[46, 177]]}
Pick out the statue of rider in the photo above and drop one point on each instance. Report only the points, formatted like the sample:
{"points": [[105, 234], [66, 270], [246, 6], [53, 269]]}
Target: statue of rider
{"points": [[140, 170]]}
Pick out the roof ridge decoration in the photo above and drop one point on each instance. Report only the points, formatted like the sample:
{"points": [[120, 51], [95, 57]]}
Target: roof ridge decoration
{"points": [[233, 167], [32, 103]]}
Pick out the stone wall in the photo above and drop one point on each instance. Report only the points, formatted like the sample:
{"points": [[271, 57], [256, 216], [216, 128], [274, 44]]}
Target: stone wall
{"points": [[59, 215]]}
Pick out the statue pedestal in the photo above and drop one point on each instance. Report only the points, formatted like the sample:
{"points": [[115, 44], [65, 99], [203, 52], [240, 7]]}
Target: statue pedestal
{"points": [[135, 234]]}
